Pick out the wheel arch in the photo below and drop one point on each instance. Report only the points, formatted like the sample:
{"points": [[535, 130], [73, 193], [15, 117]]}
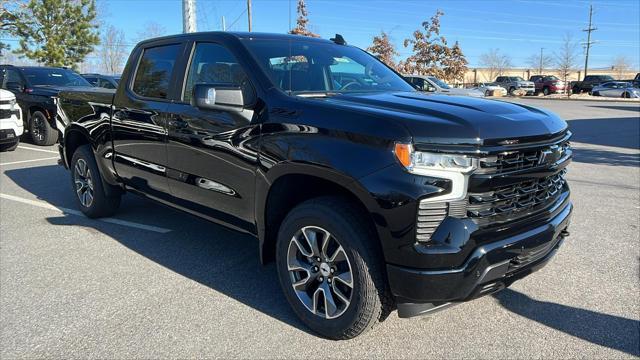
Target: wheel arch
{"points": [[284, 189]]}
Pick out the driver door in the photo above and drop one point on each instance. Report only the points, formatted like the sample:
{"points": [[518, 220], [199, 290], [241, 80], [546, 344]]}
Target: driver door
{"points": [[212, 153]]}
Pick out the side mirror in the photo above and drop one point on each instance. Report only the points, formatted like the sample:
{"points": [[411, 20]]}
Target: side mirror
{"points": [[430, 88], [15, 86], [217, 97]]}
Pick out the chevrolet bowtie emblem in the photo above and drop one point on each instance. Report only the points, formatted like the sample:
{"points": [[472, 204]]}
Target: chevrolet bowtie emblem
{"points": [[550, 155]]}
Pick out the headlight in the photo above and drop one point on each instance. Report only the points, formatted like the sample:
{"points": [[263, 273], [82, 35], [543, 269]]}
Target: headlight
{"points": [[415, 161]]}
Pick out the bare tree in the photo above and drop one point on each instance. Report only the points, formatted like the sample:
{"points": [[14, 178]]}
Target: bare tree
{"points": [[302, 22], [113, 50], [566, 58], [383, 49], [540, 62], [151, 30], [621, 65], [495, 63]]}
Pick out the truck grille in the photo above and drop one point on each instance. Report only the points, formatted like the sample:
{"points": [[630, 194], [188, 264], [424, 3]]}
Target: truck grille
{"points": [[510, 200], [522, 160]]}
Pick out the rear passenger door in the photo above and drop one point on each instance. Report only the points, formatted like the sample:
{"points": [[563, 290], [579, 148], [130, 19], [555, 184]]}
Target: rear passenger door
{"points": [[212, 154], [140, 116]]}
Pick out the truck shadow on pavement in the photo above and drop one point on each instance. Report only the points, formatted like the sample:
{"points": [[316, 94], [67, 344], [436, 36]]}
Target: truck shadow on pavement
{"points": [[617, 132], [221, 259], [610, 331]]}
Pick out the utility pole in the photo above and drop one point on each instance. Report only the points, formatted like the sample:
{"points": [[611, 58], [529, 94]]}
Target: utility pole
{"points": [[189, 16], [540, 69], [249, 13], [588, 44], [224, 25]]}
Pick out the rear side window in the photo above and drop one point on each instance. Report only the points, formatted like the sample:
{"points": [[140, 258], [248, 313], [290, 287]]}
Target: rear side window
{"points": [[154, 71]]}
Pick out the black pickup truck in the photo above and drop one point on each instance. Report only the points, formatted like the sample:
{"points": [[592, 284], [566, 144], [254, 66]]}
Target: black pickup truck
{"points": [[368, 195], [588, 83], [36, 89]]}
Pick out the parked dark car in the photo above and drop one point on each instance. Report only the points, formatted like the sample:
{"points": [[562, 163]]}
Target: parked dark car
{"points": [[548, 84], [35, 89], [588, 83], [104, 81], [368, 194]]}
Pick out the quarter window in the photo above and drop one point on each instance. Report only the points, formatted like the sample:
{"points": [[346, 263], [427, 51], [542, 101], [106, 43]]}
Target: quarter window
{"points": [[154, 71]]}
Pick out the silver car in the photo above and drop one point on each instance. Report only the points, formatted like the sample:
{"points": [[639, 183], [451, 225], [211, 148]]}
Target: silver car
{"points": [[617, 89], [433, 84]]}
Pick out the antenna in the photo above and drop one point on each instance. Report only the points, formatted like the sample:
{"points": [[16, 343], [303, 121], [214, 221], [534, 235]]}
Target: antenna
{"points": [[588, 44], [338, 39]]}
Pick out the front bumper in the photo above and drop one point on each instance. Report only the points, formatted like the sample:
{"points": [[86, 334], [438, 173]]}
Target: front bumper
{"points": [[490, 267], [10, 129]]}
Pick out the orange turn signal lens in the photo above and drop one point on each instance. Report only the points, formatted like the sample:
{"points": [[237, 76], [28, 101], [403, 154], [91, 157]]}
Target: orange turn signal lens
{"points": [[403, 153]]}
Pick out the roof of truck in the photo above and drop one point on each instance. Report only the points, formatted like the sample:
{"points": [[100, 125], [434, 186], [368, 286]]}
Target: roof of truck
{"points": [[242, 35]]}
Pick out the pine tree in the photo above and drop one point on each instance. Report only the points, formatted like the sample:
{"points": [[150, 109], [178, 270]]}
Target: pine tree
{"points": [[57, 32], [302, 22], [383, 49]]}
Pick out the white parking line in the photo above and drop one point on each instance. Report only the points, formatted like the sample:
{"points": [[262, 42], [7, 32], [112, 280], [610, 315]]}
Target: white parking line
{"points": [[34, 149], [46, 205], [28, 161]]}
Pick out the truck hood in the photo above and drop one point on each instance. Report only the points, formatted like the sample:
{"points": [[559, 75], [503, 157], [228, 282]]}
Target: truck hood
{"points": [[438, 119]]}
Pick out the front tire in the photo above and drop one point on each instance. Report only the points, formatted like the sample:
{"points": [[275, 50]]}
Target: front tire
{"points": [[87, 184], [42, 133], [626, 95], [330, 269], [9, 147], [546, 91]]}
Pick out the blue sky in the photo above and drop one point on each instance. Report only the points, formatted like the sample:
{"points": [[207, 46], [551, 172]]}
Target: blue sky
{"points": [[518, 28]]}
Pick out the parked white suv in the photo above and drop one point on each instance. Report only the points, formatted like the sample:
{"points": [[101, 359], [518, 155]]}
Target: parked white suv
{"points": [[10, 121]]}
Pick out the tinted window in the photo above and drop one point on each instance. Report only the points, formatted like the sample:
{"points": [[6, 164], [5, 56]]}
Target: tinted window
{"points": [[53, 77], [12, 76], [92, 80], [154, 71], [106, 84], [214, 64]]}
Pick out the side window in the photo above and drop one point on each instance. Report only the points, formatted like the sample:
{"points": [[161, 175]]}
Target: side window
{"points": [[214, 64], [154, 71], [499, 79], [93, 81], [13, 76], [106, 84]]}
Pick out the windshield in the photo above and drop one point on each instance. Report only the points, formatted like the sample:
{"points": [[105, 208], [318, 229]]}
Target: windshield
{"points": [[551, 78], [516, 78], [54, 77], [439, 82], [299, 66]]}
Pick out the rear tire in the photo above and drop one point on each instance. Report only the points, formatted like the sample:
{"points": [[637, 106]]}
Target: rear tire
{"points": [[41, 132], [341, 225], [626, 95], [595, 94], [511, 90], [87, 184]]}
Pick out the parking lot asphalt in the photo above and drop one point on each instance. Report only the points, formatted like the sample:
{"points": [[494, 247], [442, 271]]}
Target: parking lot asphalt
{"points": [[153, 282]]}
